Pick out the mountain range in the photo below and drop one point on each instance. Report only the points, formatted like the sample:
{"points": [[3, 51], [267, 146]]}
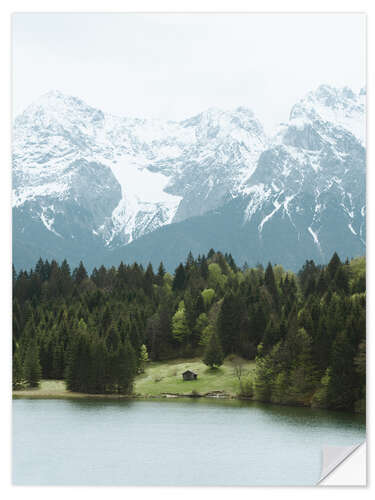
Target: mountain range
{"points": [[99, 188]]}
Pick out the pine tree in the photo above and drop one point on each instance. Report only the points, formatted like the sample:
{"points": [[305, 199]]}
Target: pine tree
{"points": [[179, 280], [213, 356], [190, 309], [17, 371], [161, 274], [32, 369], [80, 273], [200, 325], [263, 377], [65, 280], [180, 328], [189, 261], [112, 338], [341, 280], [341, 389], [333, 265], [204, 269], [126, 367], [228, 324], [99, 366], [149, 280], [271, 335], [79, 360], [270, 282]]}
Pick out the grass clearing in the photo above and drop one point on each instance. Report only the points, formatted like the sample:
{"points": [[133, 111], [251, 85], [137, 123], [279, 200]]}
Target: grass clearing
{"points": [[166, 377], [159, 377], [46, 389]]}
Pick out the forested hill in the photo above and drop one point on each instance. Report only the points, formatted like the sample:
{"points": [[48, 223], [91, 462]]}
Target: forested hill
{"points": [[306, 330]]}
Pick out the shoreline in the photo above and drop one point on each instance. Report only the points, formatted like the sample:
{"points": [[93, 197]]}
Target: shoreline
{"points": [[38, 394], [216, 395]]}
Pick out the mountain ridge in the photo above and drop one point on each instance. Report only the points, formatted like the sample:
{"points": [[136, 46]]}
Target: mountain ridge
{"points": [[91, 184]]}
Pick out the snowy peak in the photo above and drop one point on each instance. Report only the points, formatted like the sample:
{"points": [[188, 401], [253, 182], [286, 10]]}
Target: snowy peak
{"points": [[55, 109], [339, 106], [313, 175], [222, 125], [158, 164], [82, 175]]}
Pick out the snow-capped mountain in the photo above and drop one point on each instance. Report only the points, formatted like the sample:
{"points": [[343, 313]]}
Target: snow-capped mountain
{"points": [[101, 187], [314, 174], [167, 171]]}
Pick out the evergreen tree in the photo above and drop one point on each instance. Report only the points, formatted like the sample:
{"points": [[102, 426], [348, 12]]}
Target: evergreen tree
{"points": [[179, 280], [126, 367], [161, 274], [180, 328], [112, 338], [65, 280], [341, 280], [270, 282], [149, 280], [341, 389], [32, 369], [79, 359], [333, 266], [79, 274], [213, 356], [204, 269], [200, 325], [17, 371], [228, 324]]}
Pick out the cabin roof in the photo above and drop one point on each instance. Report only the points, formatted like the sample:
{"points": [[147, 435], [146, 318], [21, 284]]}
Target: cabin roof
{"points": [[189, 371]]}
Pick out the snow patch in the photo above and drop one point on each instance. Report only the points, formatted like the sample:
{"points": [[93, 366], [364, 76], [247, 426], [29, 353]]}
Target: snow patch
{"points": [[277, 205], [315, 238], [143, 195], [258, 195], [49, 221]]}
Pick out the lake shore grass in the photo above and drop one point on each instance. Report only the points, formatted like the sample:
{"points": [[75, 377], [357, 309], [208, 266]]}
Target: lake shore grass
{"points": [[160, 380]]}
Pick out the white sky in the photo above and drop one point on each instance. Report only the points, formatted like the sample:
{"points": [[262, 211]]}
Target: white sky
{"points": [[173, 66]]}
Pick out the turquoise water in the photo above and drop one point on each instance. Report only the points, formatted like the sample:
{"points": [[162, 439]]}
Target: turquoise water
{"points": [[184, 442]]}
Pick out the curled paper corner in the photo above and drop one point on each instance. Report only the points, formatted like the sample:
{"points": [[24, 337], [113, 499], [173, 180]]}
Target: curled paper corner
{"points": [[337, 458]]}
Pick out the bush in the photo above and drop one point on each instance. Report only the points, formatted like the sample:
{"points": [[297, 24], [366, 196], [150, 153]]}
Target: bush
{"points": [[247, 387]]}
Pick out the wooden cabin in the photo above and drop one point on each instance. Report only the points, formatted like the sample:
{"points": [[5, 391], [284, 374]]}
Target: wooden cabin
{"points": [[189, 375]]}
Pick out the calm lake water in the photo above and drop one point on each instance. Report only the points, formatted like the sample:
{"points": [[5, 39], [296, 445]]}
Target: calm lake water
{"points": [[169, 442]]}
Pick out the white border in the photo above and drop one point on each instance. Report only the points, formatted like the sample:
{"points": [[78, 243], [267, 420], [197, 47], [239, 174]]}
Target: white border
{"points": [[6, 9]]}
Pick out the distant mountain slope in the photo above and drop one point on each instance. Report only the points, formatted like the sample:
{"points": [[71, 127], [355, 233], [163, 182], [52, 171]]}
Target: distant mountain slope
{"points": [[102, 188], [280, 242]]}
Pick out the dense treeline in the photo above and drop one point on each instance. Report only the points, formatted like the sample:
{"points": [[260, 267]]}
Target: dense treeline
{"points": [[306, 331]]}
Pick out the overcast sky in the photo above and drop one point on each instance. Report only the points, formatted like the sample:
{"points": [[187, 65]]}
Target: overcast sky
{"points": [[173, 66]]}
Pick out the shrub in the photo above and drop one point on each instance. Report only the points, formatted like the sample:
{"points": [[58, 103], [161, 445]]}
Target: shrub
{"points": [[247, 387]]}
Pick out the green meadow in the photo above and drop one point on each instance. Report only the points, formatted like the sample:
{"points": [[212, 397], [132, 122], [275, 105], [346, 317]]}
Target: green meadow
{"points": [[162, 378], [166, 377]]}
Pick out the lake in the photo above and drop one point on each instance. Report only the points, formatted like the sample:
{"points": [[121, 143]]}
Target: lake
{"points": [[173, 442]]}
